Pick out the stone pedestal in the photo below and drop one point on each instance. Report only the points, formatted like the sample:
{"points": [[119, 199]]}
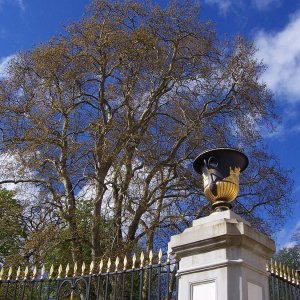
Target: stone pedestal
{"points": [[222, 258]]}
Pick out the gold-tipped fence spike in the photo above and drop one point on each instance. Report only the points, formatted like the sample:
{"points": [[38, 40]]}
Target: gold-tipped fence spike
{"points": [[59, 271], [276, 267], [26, 272], [284, 272], [142, 258], [125, 263], [1, 273], [133, 261], [280, 270], [9, 273], [18, 273], [92, 265], [43, 272], [51, 271], [108, 265], [288, 274], [117, 262], [297, 278], [160, 256], [34, 273], [75, 269], [168, 257], [83, 269], [272, 266], [101, 266], [293, 276], [150, 257], [67, 270]]}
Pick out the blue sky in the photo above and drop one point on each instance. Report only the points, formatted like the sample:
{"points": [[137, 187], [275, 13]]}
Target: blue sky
{"points": [[273, 25]]}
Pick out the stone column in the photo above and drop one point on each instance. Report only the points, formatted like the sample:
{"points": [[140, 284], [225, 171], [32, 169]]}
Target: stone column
{"points": [[222, 258]]}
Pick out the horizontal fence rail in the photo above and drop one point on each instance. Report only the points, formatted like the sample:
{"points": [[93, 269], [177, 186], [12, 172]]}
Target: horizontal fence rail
{"points": [[284, 283], [146, 279]]}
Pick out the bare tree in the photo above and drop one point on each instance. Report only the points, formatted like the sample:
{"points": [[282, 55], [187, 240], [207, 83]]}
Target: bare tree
{"points": [[123, 102]]}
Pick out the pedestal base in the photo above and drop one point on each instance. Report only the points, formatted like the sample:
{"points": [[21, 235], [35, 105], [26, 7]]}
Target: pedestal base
{"points": [[222, 258]]}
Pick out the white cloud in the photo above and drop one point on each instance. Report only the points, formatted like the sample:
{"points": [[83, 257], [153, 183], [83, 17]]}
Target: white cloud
{"points": [[223, 5], [283, 237], [280, 51], [19, 3], [264, 4], [4, 61], [238, 5]]}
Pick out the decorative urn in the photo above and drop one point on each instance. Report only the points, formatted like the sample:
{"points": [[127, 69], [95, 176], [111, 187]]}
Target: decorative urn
{"points": [[221, 169]]}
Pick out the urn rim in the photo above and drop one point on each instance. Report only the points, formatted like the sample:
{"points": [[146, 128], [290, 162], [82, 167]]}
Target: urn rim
{"points": [[199, 160]]}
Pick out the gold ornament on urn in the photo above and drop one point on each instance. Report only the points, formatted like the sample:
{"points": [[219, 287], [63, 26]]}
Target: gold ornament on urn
{"points": [[220, 169]]}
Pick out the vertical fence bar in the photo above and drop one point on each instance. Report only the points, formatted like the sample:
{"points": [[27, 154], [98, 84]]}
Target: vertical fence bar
{"points": [[48, 289], [141, 284], [159, 274], [15, 288], [177, 281], [23, 289], [168, 295], [132, 276], [149, 281], [106, 285], [6, 291], [273, 287], [123, 284]]}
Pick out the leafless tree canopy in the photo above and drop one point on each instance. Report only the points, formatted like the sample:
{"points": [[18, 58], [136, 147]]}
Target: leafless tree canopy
{"points": [[111, 114]]}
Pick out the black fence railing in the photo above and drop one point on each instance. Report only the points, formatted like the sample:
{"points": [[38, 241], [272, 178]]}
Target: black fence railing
{"points": [[284, 282], [147, 279], [151, 281]]}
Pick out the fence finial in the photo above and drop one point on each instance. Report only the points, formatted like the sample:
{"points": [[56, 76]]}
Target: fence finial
{"points": [[34, 273], [59, 271], [108, 265], [160, 256], [18, 273], [284, 271], [101, 266], [67, 269], [276, 268], [1, 273], [75, 268], [280, 270], [125, 263], [288, 274], [91, 267], [83, 269], [150, 257], [168, 257], [26, 272], [133, 261], [117, 263], [9, 273], [272, 266], [51, 271], [293, 276], [43, 272], [142, 258]]}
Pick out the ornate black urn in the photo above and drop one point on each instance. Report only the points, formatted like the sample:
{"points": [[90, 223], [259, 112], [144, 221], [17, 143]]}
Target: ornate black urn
{"points": [[221, 169]]}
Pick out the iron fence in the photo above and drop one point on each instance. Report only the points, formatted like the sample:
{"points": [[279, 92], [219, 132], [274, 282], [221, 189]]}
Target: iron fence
{"points": [[284, 282], [150, 281], [146, 279]]}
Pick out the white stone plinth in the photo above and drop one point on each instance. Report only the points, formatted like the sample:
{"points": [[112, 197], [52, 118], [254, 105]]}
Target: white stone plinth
{"points": [[222, 258]]}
